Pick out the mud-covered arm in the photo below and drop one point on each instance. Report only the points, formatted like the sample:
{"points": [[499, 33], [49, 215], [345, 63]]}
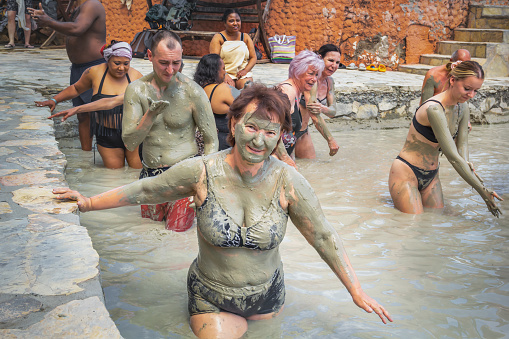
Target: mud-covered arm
{"points": [[204, 119], [428, 87], [307, 215], [178, 182], [330, 110], [135, 124], [462, 138], [438, 123], [283, 155]]}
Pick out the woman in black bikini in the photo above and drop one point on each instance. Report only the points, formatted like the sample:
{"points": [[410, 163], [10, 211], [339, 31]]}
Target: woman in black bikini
{"points": [[244, 198], [210, 74], [439, 124], [325, 103], [108, 82]]}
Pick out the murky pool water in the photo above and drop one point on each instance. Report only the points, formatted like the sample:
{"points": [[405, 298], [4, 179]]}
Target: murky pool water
{"points": [[442, 274]]}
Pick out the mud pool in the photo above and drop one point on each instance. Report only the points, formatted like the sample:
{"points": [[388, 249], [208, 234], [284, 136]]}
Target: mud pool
{"points": [[441, 274]]}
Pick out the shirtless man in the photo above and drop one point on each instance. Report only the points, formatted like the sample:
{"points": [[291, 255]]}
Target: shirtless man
{"points": [[85, 36], [437, 78], [162, 110]]}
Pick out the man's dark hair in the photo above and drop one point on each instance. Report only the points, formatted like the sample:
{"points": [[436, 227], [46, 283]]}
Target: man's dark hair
{"points": [[170, 39], [207, 71]]}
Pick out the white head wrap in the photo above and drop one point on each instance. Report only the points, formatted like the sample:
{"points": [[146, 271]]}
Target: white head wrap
{"points": [[121, 49]]}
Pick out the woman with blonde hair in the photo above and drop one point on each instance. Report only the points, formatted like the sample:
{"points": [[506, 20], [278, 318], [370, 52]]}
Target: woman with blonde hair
{"points": [[439, 125]]}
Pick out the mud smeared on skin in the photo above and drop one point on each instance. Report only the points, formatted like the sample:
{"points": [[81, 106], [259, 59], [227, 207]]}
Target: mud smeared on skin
{"points": [[165, 120]]}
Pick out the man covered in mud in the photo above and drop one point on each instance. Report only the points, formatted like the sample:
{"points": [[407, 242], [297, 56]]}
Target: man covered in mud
{"points": [[162, 110], [437, 78], [85, 36]]}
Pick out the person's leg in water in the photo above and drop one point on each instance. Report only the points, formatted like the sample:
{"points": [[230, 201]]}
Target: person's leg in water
{"points": [[403, 186], [304, 148], [133, 158], [84, 131], [432, 196]]}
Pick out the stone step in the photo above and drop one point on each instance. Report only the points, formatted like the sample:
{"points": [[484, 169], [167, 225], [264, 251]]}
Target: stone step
{"points": [[480, 16], [476, 49], [439, 59], [481, 35], [414, 68]]}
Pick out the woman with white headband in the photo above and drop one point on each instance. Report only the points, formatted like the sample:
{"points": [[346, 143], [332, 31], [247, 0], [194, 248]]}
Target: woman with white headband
{"points": [[109, 82], [439, 125]]}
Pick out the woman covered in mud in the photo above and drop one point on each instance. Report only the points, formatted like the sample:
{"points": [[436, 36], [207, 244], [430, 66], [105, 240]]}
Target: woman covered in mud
{"points": [[243, 197], [210, 74], [439, 125], [320, 99], [109, 82], [235, 48]]}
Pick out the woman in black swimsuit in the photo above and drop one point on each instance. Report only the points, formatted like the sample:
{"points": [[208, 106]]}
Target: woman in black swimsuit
{"points": [[439, 124], [244, 198], [303, 73], [325, 103], [210, 74], [108, 81]]}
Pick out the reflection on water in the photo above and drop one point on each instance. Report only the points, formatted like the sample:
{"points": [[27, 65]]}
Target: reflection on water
{"points": [[441, 274]]}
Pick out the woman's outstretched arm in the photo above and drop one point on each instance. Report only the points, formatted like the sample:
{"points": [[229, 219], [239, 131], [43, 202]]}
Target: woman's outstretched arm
{"points": [[306, 214], [180, 181]]}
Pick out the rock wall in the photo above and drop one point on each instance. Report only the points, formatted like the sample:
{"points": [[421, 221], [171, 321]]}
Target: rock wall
{"points": [[391, 32]]}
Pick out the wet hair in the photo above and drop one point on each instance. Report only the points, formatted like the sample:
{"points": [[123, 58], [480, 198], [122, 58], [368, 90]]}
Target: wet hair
{"points": [[271, 102], [207, 71], [328, 48], [170, 38], [465, 69], [229, 11], [301, 63]]}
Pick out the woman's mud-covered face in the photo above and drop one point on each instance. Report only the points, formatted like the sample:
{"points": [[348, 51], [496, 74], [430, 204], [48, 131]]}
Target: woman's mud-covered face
{"points": [[256, 137]]}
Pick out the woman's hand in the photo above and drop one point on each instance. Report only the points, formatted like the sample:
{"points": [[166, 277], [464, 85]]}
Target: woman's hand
{"points": [[50, 103], [490, 202], [333, 147], [229, 80], [84, 203], [241, 74], [370, 305], [316, 108], [65, 114]]}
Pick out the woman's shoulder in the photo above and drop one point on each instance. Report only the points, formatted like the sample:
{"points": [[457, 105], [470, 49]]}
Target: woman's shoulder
{"points": [[134, 74], [97, 71]]}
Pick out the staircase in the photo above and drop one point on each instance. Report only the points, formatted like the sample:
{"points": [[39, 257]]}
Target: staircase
{"points": [[486, 38]]}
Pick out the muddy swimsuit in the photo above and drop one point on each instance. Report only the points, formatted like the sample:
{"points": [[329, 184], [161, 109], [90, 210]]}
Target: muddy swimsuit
{"points": [[302, 101], [219, 229], [290, 138], [109, 137], [424, 177]]}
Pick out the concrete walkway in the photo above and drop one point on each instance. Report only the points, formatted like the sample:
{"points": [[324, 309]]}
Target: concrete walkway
{"points": [[49, 277]]}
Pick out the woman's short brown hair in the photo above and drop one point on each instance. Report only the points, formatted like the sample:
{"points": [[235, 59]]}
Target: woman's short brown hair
{"points": [[271, 102]]}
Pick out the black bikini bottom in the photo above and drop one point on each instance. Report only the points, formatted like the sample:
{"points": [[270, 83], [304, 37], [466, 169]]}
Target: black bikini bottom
{"points": [[299, 134], [424, 177]]}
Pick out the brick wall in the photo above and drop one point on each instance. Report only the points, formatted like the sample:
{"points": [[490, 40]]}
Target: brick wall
{"points": [[391, 32]]}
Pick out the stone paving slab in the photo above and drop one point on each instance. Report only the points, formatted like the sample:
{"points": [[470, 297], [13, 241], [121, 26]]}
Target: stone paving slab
{"points": [[50, 279]]}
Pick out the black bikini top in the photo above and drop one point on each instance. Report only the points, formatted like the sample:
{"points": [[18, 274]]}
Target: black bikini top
{"points": [[219, 229], [241, 37], [425, 131]]}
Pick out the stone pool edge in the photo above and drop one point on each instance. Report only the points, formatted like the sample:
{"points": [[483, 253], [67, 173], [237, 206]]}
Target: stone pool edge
{"points": [[50, 284]]}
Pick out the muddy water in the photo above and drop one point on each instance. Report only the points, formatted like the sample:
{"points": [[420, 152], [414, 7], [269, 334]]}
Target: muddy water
{"points": [[441, 274]]}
